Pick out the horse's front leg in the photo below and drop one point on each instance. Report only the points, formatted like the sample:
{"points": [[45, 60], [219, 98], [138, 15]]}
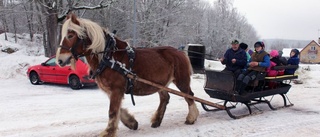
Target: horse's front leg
{"points": [[158, 116], [114, 111]]}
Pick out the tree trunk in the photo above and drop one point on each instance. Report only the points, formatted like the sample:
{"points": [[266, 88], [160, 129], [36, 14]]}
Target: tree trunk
{"points": [[30, 24], [4, 21], [5, 29], [15, 29], [42, 29], [52, 32]]}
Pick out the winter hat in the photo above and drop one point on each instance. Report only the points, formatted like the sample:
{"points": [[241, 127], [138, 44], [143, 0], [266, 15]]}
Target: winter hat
{"points": [[259, 44], [280, 53], [274, 53], [296, 51], [235, 42], [243, 46]]}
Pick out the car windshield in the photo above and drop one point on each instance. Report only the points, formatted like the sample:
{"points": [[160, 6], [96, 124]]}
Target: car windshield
{"points": [[83, 59], [51, 62]]}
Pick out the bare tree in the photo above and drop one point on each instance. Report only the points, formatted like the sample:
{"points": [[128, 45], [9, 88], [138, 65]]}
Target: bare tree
{"points": [[278, 45], [165, 22], [53, 17], [3, 18], [29, 15], [224, 24]]}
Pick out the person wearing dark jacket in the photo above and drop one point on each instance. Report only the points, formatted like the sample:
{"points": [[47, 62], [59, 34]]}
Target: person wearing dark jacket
{"points": [[258, 63], [283, 60], [293, 60], [235, 59]]}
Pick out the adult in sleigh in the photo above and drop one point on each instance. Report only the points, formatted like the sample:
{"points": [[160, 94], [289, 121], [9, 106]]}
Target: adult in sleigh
{"points": [[251, 86]]}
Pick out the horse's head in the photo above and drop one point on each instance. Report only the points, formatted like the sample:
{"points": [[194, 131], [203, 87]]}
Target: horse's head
{"points": [[78, 38], [72, 43]]}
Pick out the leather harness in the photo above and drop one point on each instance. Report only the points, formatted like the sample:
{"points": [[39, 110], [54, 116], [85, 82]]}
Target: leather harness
{"points": [[108, 60]]}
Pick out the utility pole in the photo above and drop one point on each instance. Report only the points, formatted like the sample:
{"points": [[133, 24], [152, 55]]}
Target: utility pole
{"points": [[318, 38], [134, 23]]}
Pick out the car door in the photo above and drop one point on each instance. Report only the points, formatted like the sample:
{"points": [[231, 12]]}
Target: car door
{"points": [[62, 74], [47, 70]]}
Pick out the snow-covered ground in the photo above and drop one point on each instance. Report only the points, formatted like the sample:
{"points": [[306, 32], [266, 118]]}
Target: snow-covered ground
{"points": [[58, 111]]}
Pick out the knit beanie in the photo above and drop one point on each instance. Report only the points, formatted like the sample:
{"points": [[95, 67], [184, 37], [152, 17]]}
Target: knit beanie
{"points": [[274, 53], [243, 46]]}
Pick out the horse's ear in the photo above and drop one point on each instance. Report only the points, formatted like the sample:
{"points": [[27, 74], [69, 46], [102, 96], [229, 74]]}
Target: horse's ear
{"points": [[73, 18]]}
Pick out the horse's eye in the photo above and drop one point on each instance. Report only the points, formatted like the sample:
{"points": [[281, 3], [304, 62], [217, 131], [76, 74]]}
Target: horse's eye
{"points": [[69, 36]]}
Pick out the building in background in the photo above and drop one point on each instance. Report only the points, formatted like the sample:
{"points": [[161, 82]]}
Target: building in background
{"points": [[310, 53]]}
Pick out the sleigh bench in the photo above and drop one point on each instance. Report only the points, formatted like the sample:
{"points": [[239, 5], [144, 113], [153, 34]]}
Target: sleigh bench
{"points": [[283, 77]]}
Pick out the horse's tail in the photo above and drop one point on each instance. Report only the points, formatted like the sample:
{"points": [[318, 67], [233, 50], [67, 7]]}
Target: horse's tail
{"points": [[183, 64], [189, 64]]}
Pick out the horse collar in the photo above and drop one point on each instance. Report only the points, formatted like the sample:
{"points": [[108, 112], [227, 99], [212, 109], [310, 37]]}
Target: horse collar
{"points": [[110, 45], [108, 61]]}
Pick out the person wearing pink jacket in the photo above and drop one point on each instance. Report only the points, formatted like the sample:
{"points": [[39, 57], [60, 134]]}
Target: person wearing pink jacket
{"points": [[270, 71], [273, 62]]}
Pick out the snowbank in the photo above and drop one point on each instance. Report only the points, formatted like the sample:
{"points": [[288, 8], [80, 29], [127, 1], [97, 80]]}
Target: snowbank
{"points": [[26, 53]]}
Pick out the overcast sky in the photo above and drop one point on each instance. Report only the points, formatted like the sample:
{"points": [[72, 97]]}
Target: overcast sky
{"points": [[284, 19]]}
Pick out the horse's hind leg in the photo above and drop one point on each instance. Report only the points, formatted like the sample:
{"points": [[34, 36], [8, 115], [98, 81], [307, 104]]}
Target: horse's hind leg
{"points": [[114, 109], [193, 110], [128, 120], [158, 116]]}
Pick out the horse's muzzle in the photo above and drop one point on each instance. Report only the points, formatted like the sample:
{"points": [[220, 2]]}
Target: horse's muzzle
{"points": [[62, 64]]}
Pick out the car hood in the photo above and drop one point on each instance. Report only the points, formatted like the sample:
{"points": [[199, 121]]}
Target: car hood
{"points": [[34, 67]]}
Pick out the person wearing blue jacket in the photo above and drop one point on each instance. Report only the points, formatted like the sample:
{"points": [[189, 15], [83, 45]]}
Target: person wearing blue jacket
{"points": [[235, 59], [293, 60], [258, 63]]}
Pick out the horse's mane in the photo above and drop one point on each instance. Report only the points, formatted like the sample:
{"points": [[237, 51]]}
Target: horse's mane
{"points": [[86, 29]]}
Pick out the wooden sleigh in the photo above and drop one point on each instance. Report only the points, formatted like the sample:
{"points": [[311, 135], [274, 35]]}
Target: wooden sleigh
{"points": [[221, 85]]}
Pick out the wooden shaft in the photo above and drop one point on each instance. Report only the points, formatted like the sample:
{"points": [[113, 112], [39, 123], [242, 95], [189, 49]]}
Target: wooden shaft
{"points": [[176, 92]]}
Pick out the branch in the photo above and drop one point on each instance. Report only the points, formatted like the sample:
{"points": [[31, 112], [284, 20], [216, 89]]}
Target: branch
{"points": [[99, 6]]}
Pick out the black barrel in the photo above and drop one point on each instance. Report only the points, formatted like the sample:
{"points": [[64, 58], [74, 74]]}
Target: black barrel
{"points": [[196, 53]]}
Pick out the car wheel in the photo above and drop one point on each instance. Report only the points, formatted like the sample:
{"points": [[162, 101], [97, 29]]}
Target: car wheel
{"points": [[74, 82], [34, 78]]}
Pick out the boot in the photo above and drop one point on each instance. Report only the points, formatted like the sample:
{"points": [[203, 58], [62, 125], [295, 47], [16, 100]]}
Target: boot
{"points": [[238, 86], [242, 88]]}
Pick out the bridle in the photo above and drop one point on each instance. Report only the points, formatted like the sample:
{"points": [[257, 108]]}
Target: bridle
{"points": [[110, 46], [74, 47]]}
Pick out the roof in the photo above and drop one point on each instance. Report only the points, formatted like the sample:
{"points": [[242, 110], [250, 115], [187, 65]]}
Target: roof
{"points": [[310, 44]]}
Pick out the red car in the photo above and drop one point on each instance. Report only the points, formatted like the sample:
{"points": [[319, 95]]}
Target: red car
{"points": [[52, 73]]}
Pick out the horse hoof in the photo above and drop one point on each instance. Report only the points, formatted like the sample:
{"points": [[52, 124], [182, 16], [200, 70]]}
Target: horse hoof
{"points": [[189, 123], [155, 125], [106, 134], [135, 126]]}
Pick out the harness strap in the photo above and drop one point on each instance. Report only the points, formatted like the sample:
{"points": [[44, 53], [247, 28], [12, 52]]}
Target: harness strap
{"points": [[106, 55], [131, 56], [108, 61]]}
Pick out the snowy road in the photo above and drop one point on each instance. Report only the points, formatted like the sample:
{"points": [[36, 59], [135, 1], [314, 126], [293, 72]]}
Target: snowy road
{"points": [[51, 110]]}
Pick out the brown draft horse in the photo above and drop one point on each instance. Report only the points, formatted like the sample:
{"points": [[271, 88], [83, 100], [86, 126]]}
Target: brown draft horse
{"points": [[161, 65]]}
